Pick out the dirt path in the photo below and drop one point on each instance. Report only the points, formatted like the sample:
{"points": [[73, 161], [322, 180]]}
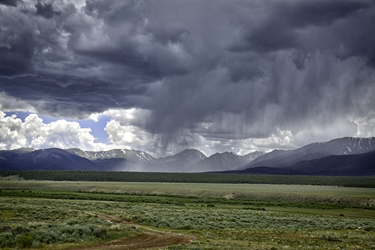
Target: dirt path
{"points": [[145, 240], [150, 239]]}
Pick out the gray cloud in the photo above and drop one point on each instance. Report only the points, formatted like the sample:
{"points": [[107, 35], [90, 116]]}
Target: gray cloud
{"points": [[46, 10], [220, 70], [307, 26], [68, 96], [10, 2], [16, 46]]}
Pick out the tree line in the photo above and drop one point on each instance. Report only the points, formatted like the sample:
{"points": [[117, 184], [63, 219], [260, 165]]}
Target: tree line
{"points": [[56, 175]]}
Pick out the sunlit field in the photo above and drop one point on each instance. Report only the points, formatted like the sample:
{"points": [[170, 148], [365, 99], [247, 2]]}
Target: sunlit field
{"points": [[66, 215]]}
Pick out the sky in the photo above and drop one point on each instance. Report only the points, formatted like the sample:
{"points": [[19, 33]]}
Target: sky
{"points": [[162, 76]]}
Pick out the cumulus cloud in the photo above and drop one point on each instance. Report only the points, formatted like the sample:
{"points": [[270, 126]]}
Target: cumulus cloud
{"points": [[127, 136], [34, 133], [210, 74]]}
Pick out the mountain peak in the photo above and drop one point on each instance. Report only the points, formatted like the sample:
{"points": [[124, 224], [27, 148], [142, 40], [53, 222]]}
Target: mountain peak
{"points": [[224, 153], [191, 150], [187, 157]]}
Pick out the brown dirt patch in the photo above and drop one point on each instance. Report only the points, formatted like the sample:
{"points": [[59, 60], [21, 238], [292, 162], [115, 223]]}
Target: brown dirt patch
{"points": [[145, 240], [152, 239]]}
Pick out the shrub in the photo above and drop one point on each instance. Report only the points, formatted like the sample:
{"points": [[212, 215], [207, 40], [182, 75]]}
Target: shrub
{"points": [[37, 244], [67, 229], [24, 241], [7, 240], [46, 235], [5, 229], [98, 232], [72, 222], [187, 227], [20, 230]]}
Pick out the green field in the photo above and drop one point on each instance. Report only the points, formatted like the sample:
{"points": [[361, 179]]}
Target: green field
{"points": [[65, 215], [254, 192]]}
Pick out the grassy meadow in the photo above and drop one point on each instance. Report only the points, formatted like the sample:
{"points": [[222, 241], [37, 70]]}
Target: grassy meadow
{"points": [[75, 215]]}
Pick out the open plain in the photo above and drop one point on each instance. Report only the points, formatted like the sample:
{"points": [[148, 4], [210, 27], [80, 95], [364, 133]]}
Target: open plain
{"points": [[141, 215]]}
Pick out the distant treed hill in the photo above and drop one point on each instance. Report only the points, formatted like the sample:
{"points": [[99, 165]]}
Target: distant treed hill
{"points": [[367, 182]]}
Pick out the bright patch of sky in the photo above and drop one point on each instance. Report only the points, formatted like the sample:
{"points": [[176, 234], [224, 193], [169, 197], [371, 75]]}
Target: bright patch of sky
{"points": [[97, 126]]}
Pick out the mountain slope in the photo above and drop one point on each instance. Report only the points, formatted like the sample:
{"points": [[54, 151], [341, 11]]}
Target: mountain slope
{"points": [[219, 162], [348, 165], [128, 154], [252, 156], [340, 146], [132, 160], [271, 155], [180, 162], [46, 159], [333, 165]]}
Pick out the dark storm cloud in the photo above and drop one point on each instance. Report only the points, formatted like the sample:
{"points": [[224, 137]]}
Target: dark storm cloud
{"points": [[221, 69], [270, 92], [17, 42], [68, 96], [10, 2], [329, 25], [169, 34], [40, 63], [316, 13], [46, 10], [133, 42], [109, 40]]}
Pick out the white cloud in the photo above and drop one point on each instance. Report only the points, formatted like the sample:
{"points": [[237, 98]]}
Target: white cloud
{"points": [[366, 125], [126, 129], [14, 133], [127, 136]]}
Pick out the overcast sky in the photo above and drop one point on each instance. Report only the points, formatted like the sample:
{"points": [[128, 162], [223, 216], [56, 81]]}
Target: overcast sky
{"points": [[165, 75]]}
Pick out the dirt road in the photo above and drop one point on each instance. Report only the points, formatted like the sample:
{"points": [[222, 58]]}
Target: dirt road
{"points": [[146, 240], [150, 238]]}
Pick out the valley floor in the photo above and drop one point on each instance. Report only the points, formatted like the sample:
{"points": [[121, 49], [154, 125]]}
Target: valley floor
{"points": [[89, 215]]}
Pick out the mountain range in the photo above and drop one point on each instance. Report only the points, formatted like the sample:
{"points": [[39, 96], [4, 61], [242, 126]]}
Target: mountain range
{"points": [[343, 156]]}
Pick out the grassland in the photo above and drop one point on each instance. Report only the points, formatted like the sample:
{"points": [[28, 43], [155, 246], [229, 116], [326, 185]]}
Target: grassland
{"points": [[64, 215]]}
